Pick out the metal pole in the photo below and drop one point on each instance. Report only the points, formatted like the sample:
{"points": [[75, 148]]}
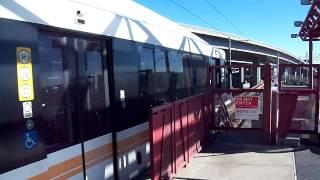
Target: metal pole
{"points": [[229, 63], [267, 103], [278, 68], [278, 60], [310, 51], [310, 63], [229, 50]]}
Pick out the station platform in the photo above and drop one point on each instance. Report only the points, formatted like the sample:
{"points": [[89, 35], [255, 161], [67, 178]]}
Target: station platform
{"points": [[308, 163], [231, 156]]}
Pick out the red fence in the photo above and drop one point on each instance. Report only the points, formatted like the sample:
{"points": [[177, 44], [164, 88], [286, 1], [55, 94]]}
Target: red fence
{"points": [[233, 123], [299, 87], [178, 130]]}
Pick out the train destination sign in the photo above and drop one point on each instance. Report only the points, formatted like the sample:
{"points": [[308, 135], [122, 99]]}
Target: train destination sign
{"points": [[247, 107]]}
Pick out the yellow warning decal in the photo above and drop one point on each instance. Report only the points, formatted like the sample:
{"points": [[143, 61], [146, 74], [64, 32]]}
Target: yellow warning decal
{"points": [[24, 74]]}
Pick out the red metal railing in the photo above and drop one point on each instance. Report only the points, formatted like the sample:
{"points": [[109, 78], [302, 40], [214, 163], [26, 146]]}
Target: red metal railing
{"points": [[266, 91], [298, 96], [178, 131], [161, 127]]}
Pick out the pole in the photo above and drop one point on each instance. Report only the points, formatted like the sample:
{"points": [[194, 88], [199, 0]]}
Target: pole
{"points": [[278, 70], [267, 105], [229, 63], [310, 51], [310, 63]]}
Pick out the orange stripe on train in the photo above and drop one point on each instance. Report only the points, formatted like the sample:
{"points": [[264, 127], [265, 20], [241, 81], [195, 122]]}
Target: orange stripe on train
{"points": [[73, 166]]}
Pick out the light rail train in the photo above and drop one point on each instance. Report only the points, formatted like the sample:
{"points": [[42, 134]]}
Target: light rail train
{"points": [[77, 79]]}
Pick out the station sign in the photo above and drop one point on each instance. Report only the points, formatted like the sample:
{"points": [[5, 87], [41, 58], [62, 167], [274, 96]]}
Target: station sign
{"points": [[24, 74], [247, 107]]}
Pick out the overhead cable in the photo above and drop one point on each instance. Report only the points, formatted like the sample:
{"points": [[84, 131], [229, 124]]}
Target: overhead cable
{"points": [[195, 15], [225, 17]]}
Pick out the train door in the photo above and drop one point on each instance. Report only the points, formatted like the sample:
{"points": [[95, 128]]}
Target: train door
{"points": [[74, 106]]}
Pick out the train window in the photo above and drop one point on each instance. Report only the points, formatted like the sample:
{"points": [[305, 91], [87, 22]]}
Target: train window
{"points": [[160, 61], [188, 71], [125, 65], [146, 59], [95, 77], [175, 62], [146, 71], [199, 66], [95, 104], [72, 90], [160, 78], [53, 76], [131, 80], [177, 76], [53, 84]]}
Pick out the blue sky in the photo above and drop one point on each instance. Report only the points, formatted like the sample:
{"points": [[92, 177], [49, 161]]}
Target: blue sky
{"points": [[268, 21]]}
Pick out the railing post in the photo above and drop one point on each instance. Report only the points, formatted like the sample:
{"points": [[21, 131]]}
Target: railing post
{"points": [[317, 99], [150, 118], [310, 64], [267, 102], [280, 71], [274, 116]]}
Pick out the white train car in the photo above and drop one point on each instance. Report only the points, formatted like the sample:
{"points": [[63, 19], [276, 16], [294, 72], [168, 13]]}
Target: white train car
{"points": [[77, 79]]}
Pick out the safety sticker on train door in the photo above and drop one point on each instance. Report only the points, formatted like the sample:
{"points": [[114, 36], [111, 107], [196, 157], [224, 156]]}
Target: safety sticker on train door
{"points": [[27, 109], [30, 139], [24, 74]]}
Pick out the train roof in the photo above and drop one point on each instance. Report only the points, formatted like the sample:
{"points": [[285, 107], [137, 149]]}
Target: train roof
{"points": [[123, 19]]}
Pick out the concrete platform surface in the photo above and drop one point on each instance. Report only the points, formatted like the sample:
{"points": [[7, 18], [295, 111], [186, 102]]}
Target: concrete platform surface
{"points": [[240, 161], [308, 163], [246, 156]]}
